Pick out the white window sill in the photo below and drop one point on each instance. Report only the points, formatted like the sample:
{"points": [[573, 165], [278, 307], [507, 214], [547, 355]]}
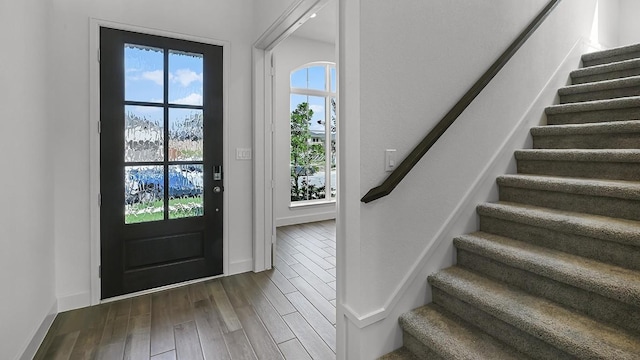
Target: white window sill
{"points": [[309, 203]]}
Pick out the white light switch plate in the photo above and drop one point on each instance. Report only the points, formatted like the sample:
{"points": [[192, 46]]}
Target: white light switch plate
{"points": [[243, 153]]}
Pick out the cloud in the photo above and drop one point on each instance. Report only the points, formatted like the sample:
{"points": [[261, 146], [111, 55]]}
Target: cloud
{"points": [[156, 76], [317, 108], [186, 77], [191, 99]]}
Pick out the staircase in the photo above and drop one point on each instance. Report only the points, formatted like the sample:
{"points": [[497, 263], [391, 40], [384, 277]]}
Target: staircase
{"points": [[554, 272]]}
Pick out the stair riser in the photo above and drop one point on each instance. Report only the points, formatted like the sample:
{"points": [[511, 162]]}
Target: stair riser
{"points": [[600, 95], [497, 328], [611, 59], [420, 350], [595, 305], [597, 116], [588, 141], [581, 169], [605, 251], [612, 75], [597, 205]]}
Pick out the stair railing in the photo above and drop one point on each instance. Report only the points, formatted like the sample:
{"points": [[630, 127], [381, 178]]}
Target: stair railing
{"points": [[421, 149]]}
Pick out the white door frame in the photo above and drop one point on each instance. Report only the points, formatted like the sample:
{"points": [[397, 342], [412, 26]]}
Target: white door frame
{"points": [[264, 230], [94, 149]]}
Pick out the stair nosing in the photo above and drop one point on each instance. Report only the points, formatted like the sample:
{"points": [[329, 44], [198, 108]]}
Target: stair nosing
{"points": [[603, 85], [580, 155], [573, 270], [621, 189], [594, 105], [416, 320], [536, 316], [605, 68], [612, 52], [621, 231], [612, 127]]}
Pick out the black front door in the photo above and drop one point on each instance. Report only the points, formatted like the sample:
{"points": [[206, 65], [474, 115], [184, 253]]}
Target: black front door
{"points": [[160, 161]]}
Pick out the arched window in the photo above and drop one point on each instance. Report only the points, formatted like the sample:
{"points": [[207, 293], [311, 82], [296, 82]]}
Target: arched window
{"points": [[313, 132]]}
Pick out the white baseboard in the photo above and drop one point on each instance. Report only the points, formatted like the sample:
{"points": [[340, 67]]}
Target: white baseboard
{"points": [[74, 301], [239, 267], [302, 219], [37, 338]]}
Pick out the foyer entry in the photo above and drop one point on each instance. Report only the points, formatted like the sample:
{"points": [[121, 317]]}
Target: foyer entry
{"points": [[161, 169]]}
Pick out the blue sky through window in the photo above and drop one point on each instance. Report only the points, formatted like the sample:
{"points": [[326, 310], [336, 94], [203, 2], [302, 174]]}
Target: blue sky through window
{"points": [[144, 75]]}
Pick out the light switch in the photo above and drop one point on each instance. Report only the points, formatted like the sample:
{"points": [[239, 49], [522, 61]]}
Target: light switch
{"points": [[389, 159], [243, 153]]}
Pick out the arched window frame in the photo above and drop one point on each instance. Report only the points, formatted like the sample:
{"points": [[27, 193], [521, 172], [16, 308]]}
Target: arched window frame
{"points": [[329, 95]]}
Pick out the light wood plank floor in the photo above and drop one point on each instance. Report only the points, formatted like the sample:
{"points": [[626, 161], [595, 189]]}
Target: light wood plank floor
{"points": [[288, 312]]}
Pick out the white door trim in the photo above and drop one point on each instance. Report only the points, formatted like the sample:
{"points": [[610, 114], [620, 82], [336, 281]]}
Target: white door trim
{"points": [[94, 136], [264, 230]]}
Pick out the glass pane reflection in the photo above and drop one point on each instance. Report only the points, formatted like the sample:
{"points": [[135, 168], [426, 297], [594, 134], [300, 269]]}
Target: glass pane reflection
{"points": [[143, 133], [143, 194], [143, 73], [185, 135], [185, 191]]}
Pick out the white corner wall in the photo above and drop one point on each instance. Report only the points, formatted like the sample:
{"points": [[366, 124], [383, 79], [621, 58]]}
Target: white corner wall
{"points": [[69, 59], [416, 61], [27, 276], [629, 25], [289, 55]]}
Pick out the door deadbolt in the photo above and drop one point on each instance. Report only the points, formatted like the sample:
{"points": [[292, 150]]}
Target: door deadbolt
{"points": [[217, 189]]}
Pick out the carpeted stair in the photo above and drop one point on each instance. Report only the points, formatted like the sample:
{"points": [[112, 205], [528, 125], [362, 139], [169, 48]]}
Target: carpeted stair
{"points": [[554, 271]]}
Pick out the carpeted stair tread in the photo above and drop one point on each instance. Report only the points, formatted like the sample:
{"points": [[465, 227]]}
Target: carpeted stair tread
{"points": [[605, 56], [451, 337], [595, 70], [600, 85], [567, 330], [596, 105], [594, 226], [628, 190], [591, 155], [401, 354], [610, 281], [614, 127]]}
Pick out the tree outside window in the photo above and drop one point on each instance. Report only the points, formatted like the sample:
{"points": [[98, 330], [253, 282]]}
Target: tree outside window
{"points": [[313, 133]]}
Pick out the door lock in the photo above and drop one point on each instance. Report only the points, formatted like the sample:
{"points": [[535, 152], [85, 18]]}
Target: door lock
{"points": [[217, 189]]}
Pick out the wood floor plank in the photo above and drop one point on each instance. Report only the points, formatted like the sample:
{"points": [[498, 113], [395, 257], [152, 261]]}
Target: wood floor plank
{"points": [[162, 338], [314, 268], [234, 291], [293, 350], [115, 331], [271, 291], [239, 346], [314, 345], [314, 297], [187, 342], [325, 290], [181, 309], [288, 259], [141, 305], [318, 322], [259, 338], [283, 267], [313, 257], [330, 243], [86, 347], [279, 331], [169, 355], [332, 285], [333, 302], [331, 260], [209, 327], [284, 246], [62, 346], [316, 249], [225, 309], [138, 337], [280, 280], [332, 272], [329, 250], [48, 339]]}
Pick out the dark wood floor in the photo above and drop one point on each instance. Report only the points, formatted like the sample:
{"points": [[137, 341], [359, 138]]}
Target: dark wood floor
{"points": [[288, 312]]}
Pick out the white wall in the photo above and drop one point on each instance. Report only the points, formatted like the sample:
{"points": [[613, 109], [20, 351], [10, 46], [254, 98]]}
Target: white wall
{"points": [[416, 61], [69, 63], [267, 12], [27, 270], [609, 12], [290, 55], [628, 22]]}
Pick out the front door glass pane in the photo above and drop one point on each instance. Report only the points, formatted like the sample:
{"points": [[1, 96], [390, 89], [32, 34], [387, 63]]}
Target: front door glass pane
{"points": [[185, 191], [185, 78], [143, 133], [143, 194], [185, 135], [143, 73]]}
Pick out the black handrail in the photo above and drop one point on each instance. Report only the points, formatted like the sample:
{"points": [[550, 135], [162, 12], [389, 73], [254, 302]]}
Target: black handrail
{"points": [[418, 152]]}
